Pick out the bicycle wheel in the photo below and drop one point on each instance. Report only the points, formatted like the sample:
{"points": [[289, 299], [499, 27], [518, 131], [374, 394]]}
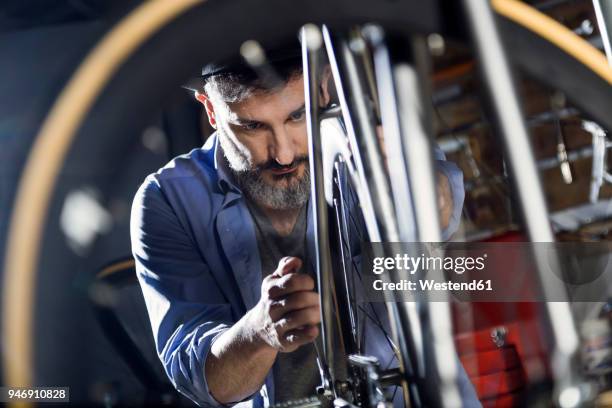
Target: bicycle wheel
{"points": [[358, 319]]}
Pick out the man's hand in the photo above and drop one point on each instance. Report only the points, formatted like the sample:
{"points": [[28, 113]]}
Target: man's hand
{"points": [[288, 313], [285, 318]]}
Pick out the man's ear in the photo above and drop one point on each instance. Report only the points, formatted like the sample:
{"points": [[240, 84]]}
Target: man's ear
{"points": [[208, 107], [325, 78]]}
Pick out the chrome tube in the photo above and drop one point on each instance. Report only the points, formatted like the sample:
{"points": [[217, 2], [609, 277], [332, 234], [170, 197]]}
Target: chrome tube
{"points": [[361, 129], [410, 159], [311, 53], [505, 105], [372, 180], [360, 122]]}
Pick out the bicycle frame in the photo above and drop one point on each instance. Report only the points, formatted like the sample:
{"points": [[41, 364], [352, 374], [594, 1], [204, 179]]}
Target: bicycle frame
{"points": [[399, 213], [515, 139], [379, 216]]}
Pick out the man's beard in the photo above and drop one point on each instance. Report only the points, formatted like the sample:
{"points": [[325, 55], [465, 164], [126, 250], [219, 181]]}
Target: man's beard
{"points": [[292, 195]]}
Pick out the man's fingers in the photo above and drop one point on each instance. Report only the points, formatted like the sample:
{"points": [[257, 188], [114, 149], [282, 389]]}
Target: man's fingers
{"points": [[288, 264], [287, 284], [294, 301], [298, 337], [309, 316]]}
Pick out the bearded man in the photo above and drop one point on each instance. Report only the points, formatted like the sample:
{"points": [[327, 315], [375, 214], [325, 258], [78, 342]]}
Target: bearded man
{"points": [[222, 240]]}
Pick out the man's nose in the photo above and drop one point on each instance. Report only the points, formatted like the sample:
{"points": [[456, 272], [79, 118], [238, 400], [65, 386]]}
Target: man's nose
{"points": [[283, 150]]}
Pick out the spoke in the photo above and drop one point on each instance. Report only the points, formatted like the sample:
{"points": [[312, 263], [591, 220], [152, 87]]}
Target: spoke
{"points": [[348, 208], [381, 327], [348, 230], [353, 220], [394, 392]]}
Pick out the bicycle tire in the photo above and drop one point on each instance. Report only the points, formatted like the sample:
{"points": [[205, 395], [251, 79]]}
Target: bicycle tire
{"points": [[588, 87]]}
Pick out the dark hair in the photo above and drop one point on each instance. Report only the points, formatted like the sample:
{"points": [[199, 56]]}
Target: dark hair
{"points": [[239, 82]]}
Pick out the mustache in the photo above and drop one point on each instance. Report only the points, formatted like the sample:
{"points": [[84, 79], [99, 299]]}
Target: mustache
{"points": [[274, 165]]}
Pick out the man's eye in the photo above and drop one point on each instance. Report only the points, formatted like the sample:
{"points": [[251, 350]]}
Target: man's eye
{"points": [[251, 126], [297, 116]]}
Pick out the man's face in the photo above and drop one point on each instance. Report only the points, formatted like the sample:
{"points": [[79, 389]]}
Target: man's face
{"points": [[265, 141]]}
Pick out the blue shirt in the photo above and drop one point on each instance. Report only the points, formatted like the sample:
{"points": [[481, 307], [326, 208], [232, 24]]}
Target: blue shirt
{"points": [[198, 263]]}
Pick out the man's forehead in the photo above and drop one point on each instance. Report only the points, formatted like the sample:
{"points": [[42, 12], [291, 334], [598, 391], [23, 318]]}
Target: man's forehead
{"points": [[263, 104]]}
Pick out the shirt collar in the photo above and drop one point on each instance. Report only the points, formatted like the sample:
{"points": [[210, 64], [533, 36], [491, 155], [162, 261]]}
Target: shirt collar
{"points": [[226, 180]]}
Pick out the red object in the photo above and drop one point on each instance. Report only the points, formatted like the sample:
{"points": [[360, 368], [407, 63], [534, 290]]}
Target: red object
{"points": [[502, 346], [489, 362], [497, 384]]}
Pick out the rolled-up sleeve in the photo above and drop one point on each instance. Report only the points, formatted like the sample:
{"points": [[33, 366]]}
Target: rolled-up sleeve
{"points": [[185, 306], [455, 180]]}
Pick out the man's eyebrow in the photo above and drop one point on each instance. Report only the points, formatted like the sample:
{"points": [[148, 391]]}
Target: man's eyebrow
{"points": [[241, 121], [237, 120]]}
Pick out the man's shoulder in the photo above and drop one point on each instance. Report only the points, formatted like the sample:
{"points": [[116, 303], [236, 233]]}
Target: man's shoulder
{"points": [[185, 176], [198, 162]]}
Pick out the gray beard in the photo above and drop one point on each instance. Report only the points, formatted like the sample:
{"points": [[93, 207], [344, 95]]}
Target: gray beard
{"points": [[294, 196], [251, 182]]}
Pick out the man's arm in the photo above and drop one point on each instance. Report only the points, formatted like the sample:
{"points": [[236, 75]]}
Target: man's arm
{"points": [[285, 318], [187, 309], [205, 354]]}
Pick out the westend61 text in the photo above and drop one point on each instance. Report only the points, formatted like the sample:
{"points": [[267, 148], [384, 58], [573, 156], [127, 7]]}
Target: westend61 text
{"points": [[432, 285]]}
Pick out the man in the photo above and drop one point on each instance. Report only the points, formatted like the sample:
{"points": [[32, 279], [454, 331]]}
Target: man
{"points": [[221, 238]]}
